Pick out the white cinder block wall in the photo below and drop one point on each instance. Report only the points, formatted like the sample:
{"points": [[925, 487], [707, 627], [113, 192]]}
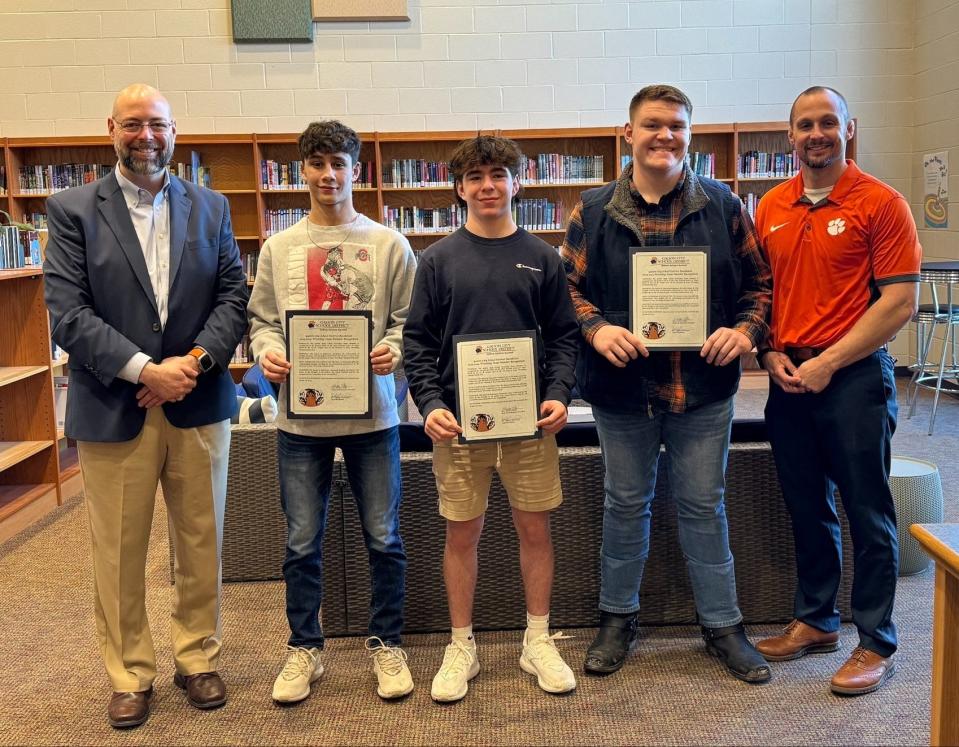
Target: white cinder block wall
{"points": [[936, 123], [461, 64], [464, 64]]}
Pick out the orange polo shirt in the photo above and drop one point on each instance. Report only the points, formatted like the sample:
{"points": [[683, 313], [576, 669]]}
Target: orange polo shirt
{"points": [[829, 259]]}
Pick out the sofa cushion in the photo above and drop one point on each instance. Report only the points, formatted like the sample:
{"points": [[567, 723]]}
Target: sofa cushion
{"points": [[254, 410]]}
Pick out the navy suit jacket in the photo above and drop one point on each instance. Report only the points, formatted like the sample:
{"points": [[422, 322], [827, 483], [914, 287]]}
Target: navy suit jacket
{"points": [[103, 309]]}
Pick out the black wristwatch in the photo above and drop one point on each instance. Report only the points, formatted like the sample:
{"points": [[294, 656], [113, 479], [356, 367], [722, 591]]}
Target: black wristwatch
{"points": [[203, 359]]}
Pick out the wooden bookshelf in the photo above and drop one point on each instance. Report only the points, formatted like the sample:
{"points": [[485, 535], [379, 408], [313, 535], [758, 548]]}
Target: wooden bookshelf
{"points": [[10, 374], [764, 137], [235, 161], [13, 453], [283, 148], [26, 390], [14, 498], [69, 464], [727, 142], [29, 458], [238, 370]]}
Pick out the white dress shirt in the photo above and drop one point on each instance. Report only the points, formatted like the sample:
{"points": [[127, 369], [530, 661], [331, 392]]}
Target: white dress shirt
{"points": [[151, 220]]}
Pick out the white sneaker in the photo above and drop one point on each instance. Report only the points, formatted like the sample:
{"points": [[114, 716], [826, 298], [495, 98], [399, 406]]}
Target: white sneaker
{"points": [[302, 668], [460, 665], [542, 658], [389, 663]]}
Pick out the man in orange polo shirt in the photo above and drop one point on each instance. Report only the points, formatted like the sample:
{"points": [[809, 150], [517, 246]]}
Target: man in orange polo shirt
{"points": [[845, 261]]}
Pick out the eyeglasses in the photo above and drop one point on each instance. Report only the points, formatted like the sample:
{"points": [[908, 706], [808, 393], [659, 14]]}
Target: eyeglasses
{"points": [[133, 126]]}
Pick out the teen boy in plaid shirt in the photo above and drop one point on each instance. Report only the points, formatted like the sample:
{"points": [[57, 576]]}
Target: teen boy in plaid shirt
{"points": [[642, 399]]}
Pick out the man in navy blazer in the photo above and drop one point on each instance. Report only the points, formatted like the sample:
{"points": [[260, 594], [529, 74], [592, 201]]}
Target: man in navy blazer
{"points": [[147, 295]]}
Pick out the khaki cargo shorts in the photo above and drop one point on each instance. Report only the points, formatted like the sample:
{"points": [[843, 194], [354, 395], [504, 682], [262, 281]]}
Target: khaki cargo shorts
{"points": [[528, 469]]}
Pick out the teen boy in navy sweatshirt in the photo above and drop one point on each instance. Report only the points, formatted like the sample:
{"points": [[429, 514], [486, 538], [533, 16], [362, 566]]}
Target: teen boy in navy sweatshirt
{"points": [[491, 276]]}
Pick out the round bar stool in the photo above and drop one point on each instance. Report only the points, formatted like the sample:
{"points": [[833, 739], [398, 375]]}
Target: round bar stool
{"points": [[926, 374], [917, 494]]}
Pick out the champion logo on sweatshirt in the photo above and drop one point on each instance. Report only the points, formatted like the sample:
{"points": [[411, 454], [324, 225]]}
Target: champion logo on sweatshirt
{"points": [[521, 266]]}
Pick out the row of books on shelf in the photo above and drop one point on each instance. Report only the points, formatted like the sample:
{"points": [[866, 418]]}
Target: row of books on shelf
{"points": [[242, 352], [36, 219], [533, 213], [756, 164], [19, 248], [289, 175], [544, 168], [194, 171], [415, 172], [249, 265], [751, 200], [539, 214], [752, 164], [49, 178], [424, 220], [279, 219], [703, 164], [56, 177], [556, 168], [3, 180]]}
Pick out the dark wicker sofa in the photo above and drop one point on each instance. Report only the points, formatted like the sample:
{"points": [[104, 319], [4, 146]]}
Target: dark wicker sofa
{"points": [[760, 535]]}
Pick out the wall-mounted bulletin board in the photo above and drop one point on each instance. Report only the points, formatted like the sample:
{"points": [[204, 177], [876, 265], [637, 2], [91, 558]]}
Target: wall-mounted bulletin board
{"points": [[274, 21], [360, 10]]}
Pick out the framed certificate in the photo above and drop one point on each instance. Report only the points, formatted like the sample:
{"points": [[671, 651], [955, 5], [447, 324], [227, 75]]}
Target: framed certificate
{"points": [[497, 386], [669, 296], [330, 375]]}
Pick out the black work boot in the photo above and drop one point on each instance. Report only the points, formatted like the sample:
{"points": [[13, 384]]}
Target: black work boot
{"points": [[731, 646], [614, 640]]}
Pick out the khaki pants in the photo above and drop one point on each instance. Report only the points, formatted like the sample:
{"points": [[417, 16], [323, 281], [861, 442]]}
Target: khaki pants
{"points": [[120, 482]]}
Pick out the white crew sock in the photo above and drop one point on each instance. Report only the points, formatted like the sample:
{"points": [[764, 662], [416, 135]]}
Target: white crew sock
{"points": [[464, 635], [536, 625]]}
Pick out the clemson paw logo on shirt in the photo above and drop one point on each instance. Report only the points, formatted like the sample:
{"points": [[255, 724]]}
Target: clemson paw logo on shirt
{"points": [[836, 226]]}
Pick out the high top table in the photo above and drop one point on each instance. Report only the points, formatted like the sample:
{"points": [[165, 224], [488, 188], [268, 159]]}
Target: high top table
{"points": [[927, 375], [941, 541]]}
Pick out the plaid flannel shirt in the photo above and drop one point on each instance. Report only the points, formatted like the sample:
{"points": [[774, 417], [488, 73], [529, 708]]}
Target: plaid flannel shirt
{"points": [[659, 224]]}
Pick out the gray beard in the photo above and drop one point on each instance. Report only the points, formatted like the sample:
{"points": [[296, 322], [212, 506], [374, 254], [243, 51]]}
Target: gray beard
{"points": [[147, 168]]}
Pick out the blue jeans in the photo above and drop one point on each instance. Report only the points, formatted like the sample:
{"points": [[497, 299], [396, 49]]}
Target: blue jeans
{"points": [[373, 467], [697, 444], [841, 437]]}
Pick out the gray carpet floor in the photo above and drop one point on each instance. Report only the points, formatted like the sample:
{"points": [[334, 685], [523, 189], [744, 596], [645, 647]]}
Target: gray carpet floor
{"points": [[54, 690]]}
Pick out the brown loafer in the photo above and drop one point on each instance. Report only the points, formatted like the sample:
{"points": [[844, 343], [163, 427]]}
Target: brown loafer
{"points": [[862, 673], [127, 710], [203, 690], [797, 639]]}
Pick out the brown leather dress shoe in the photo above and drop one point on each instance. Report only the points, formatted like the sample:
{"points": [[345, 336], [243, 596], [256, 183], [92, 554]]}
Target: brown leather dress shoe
{"points": [[862, 673], [127, 710], [797, 639], [204, 690]]}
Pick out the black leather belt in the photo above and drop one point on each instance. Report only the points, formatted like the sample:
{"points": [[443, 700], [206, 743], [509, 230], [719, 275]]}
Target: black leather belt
{"points": [[800, 355]]}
